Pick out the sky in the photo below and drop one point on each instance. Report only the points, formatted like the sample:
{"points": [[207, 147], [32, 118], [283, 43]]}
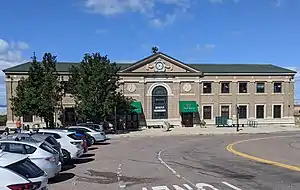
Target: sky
{"points": [[193, 31]]}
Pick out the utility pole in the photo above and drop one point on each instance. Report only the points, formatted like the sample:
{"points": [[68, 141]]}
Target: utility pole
{"points": [[237, 118], [115, 118]]}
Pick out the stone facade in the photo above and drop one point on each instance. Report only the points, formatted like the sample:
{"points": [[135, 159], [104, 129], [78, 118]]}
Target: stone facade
{"points": [[185, 83]]}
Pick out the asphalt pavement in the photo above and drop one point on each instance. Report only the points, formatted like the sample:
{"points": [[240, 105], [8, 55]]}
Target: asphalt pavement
{"points": [[186, 163]]}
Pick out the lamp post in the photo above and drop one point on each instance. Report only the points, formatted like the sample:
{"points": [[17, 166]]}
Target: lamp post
{"points": [[237, 118]]}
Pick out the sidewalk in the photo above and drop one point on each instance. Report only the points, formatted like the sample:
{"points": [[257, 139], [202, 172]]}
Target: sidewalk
{"points": [[204, 131]]}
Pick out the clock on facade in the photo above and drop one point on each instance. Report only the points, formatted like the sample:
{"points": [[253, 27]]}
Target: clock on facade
{"points": [[159, 66]]}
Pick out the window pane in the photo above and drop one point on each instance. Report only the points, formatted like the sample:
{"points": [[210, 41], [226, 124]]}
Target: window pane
{"points": [[260, 87], [277, 87], [277, 111], [26, 168], [243, 112], [242, 87], [225, 111], [225, 87], [16, 148], [48, 148], [207, 88], [27, 118], [206, 112], [30, 149], [260, 111]]}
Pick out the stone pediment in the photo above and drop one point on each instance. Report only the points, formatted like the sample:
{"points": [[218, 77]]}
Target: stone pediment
{"points": [[159, 63]]}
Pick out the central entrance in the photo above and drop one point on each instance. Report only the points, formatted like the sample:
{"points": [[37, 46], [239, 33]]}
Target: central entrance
{"points": [[159, 103]]}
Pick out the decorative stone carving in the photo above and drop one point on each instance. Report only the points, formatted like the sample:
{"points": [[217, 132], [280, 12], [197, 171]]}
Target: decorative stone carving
{"points": [[159, 65], [131, 88], [187, 87]]}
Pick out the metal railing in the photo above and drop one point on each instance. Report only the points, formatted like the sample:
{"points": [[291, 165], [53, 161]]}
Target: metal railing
{"points": [[252, 123]]}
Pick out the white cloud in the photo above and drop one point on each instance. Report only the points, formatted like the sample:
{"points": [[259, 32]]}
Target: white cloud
{"points": [[10, 55], [4, 46], [160, 22], [149, 8], [205, 47]]}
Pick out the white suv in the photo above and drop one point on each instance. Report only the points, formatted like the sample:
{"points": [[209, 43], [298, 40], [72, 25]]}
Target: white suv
{"points": [[18, 172], [70, 147]]}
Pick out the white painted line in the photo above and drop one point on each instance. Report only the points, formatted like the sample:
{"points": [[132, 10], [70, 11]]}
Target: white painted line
{"points": [[171, 169], [232, 186]]}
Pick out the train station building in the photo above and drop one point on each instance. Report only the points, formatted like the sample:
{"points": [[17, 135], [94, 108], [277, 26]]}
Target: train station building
{"points": [[184, 94]]}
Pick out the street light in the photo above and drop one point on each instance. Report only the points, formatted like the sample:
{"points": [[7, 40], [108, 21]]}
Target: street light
{"points": [[237, 118]]}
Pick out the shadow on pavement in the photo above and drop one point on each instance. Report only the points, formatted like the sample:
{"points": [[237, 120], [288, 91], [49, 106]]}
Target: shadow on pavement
{"points": [[102, 143], [82, 160], [67, 167], [93, 148], [61, 177], [87, 155]]}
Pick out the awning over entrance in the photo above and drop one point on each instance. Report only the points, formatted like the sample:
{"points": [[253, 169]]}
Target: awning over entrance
{"points": [[188, 106], [137, 107]]}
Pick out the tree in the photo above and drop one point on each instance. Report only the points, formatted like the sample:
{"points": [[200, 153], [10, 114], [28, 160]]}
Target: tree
{"points": [[154, 49], [26, 100], [39, 93], [95, 84], [50, 90]]}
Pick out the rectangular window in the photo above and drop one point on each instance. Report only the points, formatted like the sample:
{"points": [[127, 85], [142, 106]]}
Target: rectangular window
{"points": [[28, 118], [243, 112], [260, 87], [243, 87], [207, 88], [225, 87], [225, 111], [260, 111], [277, 87], [207, 112], [277, 111]]}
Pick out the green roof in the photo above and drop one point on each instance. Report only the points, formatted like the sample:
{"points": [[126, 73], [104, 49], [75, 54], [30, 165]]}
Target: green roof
{"points": [[205, 68]]}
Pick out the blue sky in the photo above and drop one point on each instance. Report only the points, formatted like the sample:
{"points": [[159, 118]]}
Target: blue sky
{"points": [[199, 31]]}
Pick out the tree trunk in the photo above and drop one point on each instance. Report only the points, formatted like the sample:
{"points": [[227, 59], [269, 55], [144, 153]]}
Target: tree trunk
{"points": [[47, 122]]}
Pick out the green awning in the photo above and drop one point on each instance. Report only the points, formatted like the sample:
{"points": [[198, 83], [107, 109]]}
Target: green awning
{"points": [[188, 106], [137, 107]]}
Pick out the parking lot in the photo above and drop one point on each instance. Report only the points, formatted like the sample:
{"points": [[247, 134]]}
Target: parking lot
{"points": [[185, 163]]}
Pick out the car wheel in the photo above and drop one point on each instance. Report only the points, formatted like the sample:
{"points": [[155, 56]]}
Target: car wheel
{"points": [[66, 156], [93, 140]]}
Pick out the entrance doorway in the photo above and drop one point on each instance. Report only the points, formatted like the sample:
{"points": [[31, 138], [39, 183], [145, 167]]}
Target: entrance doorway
{"points": [[159, 103], [187, 119]]}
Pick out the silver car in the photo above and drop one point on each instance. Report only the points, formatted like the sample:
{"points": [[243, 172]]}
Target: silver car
{"points": [[40, 153]]}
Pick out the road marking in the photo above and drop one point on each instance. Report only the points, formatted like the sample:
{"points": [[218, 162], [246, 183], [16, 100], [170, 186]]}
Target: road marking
{"points": [[171, 169], [119, 175], [230, 185], [231, 149]]}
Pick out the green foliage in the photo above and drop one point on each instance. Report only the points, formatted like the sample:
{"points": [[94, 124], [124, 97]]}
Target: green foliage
{"points": [[95, 82], [3, 119], [39, 93]]}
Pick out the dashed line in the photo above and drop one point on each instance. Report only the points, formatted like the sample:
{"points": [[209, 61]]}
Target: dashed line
{"points": [[172, 170], [231, 149], [230, 185]]}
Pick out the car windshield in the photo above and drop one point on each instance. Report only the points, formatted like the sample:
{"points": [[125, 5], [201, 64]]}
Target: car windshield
{"points": [[26, 168], [51, 140], [48, 148]]}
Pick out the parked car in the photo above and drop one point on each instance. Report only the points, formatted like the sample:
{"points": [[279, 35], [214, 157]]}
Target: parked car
{"points": [[19, 173], [40, 153], [88, 137], [97, 136], [71, 147], [36, 137]]}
